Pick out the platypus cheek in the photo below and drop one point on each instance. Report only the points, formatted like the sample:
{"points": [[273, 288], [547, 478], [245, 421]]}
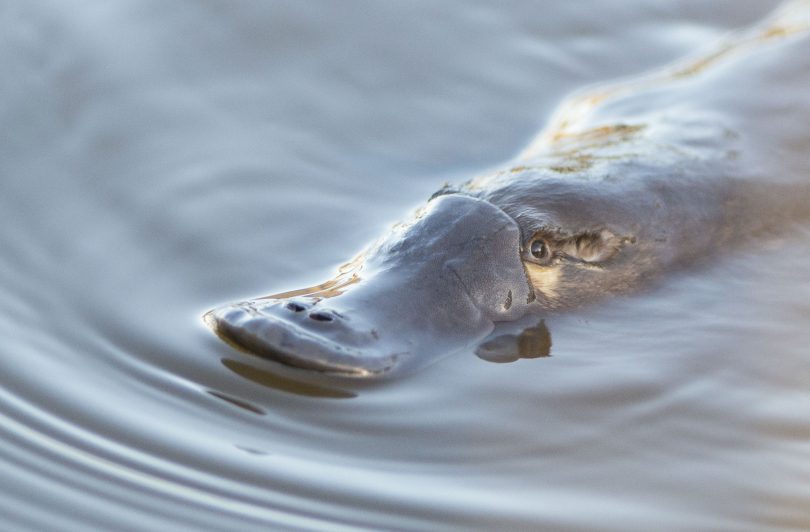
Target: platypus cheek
{"points": [[545, 281]]}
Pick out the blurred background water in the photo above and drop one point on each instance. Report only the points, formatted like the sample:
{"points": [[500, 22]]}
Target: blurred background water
{"points": [[160, 158]]}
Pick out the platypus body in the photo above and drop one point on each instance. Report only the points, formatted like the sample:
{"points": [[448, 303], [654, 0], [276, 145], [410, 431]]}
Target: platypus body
{"points": [[628, 182]]}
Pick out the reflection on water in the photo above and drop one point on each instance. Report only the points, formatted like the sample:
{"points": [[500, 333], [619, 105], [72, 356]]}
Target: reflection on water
{"points": [[160, 158], [237, 402], [271, 380], [531, 342]]}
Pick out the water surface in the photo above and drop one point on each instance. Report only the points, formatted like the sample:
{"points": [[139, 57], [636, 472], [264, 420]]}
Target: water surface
{"points": [[159, 159]]}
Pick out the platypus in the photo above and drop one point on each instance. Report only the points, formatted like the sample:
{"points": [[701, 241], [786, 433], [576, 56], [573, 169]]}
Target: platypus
{"points": [[628, 181]]}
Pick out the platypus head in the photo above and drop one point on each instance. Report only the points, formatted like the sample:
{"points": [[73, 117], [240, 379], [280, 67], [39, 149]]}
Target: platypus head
{"points": [[433, 286]]}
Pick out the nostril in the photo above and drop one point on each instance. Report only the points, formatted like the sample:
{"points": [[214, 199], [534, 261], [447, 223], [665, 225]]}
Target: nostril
{"points": [[321, 316], [295, 307]]}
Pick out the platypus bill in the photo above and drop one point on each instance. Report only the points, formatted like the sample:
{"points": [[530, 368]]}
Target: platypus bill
{"points": [[628, 181]]}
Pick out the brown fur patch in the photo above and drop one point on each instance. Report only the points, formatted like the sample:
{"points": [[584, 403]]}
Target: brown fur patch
{"points": [[546, 280]]}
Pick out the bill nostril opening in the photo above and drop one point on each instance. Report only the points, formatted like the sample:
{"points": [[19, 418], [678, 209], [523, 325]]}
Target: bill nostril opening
{"points": [[295, 307], [321, 316]]}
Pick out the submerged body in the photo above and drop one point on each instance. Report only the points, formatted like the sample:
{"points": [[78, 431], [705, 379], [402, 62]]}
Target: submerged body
{"points": [[628, 182]]}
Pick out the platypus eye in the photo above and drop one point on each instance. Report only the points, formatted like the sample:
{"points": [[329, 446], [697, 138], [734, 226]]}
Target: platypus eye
{"points": [[539, 249]]}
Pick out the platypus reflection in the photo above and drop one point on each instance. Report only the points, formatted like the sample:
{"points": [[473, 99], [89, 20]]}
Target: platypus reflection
{"points": [[628, 181]]}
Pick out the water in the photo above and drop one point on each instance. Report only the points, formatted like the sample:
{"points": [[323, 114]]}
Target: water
{"points": [[159, 159]]}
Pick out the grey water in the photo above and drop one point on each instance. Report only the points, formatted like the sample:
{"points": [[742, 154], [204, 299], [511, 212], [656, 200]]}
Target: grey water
{"points": [[160, 158]]}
